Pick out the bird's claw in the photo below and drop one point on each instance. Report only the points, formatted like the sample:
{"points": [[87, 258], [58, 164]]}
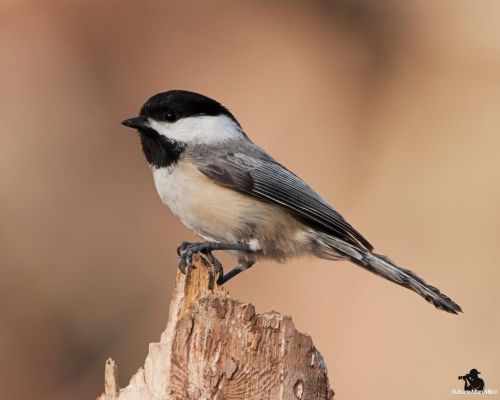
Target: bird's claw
{"points": [[186, 250], [185, 258], [182, 247], [182, 267]]}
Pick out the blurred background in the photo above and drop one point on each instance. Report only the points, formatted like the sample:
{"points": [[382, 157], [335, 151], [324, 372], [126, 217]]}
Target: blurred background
{"points": [[389, 109]]}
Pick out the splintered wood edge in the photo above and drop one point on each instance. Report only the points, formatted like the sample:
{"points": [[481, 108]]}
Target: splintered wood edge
{"points": [[199, 280], [111, 387], [198, 283]]}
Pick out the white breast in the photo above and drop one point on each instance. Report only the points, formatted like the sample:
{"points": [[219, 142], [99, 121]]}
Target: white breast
{"points": [[210, 210], [170, 186]]}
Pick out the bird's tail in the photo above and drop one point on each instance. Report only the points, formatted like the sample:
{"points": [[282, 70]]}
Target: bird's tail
{"points": [[332, 248]]}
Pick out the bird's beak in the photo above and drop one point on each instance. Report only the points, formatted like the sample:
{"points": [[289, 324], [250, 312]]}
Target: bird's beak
{"points": [[136, 123]]}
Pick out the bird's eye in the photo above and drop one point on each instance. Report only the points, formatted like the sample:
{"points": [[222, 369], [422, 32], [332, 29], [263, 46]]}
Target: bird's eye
{"points": [[171, 116]]}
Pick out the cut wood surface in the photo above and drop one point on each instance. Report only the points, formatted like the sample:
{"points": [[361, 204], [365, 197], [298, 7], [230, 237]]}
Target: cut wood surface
{"points": [[215, 347]]}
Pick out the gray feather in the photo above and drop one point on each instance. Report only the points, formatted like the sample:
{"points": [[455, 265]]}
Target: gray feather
{"points": [[386, 268], [255, 173]]}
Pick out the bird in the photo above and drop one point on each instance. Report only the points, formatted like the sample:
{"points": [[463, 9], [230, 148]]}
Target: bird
{"points": [[239, 199]]}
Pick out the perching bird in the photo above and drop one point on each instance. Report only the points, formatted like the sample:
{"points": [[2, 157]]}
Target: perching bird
{"points": [[238, 198]]}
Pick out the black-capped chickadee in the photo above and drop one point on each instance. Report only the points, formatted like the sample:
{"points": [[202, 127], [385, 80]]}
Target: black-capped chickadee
{"points": [[238, 198]]}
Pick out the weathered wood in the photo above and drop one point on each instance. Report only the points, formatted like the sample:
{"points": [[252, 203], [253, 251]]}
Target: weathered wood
{"points": [[215, 347]]}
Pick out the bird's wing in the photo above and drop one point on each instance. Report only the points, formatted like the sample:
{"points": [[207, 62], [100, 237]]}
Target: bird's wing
{"points": [[266, 179]]}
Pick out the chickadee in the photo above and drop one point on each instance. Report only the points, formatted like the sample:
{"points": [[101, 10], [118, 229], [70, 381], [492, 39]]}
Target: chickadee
{"points": [[238, 198]]}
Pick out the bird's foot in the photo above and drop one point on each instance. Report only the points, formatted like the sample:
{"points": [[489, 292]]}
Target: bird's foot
{"points": [[182, 247], [186, 250]]}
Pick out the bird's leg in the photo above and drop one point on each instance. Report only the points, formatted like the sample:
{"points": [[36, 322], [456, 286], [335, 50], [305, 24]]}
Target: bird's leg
{"points": [[235, 271], [186, 250]]}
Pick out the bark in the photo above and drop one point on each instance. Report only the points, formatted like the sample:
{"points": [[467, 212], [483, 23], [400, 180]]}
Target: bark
{"points": [[215, 347]]}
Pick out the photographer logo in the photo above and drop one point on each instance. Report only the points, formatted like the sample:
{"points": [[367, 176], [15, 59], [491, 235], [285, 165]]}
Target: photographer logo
{"points": [[473, 384]]}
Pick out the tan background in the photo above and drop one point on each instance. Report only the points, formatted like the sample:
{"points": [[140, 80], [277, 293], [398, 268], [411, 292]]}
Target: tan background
{"points": [[390, 109]]}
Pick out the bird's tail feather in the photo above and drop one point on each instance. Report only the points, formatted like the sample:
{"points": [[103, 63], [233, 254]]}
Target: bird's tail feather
{"points": [[331, 248]]}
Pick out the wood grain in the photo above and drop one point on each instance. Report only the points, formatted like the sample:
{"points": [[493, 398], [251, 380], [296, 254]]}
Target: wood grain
{"points": [[216, 347]]}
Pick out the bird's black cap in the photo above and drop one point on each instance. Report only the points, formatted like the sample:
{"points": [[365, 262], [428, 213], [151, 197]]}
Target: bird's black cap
{"points": [[177, 104]]}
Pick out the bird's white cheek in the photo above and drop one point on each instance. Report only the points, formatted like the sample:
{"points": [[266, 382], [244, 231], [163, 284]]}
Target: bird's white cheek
{"points": [[202, 129], [163, 128]]}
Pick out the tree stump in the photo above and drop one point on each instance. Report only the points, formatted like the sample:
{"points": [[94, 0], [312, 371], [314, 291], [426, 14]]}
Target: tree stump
{"points": [[215, 347]]}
